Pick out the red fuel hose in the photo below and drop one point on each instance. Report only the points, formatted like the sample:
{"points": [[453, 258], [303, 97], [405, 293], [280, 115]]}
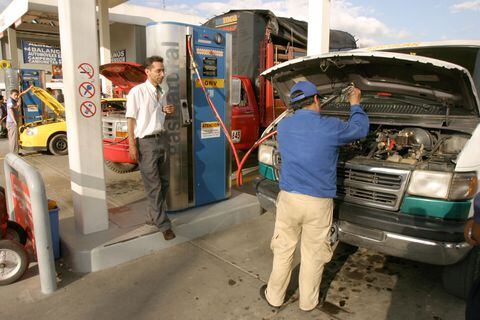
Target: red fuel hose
{"points": [[245, 157], [225, 131]]}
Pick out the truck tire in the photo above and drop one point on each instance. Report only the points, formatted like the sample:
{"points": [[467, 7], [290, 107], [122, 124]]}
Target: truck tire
{"points": [[119, 167], [458, 278], [13, 261], [58, 144], [16, 232]]}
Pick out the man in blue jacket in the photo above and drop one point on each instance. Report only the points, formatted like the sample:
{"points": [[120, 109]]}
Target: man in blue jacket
{"points": [[308, 144], [472, 235]]}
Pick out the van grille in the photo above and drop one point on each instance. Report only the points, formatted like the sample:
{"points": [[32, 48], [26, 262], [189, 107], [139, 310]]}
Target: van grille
{"points": [[376, 187]]}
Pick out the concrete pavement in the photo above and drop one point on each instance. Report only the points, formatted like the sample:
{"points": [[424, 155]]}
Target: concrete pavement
{"points": [[218, 276]]}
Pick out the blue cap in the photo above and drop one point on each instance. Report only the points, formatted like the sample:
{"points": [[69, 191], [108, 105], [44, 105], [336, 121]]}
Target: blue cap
{"points": [[302, 90]]}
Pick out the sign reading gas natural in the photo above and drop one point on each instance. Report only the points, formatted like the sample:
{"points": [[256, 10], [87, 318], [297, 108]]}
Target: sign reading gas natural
{"points": [[41, 53]]}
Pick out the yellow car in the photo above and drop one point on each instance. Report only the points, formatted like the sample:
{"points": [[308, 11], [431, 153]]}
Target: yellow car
{"points": [[51, 134], [48, 134]]}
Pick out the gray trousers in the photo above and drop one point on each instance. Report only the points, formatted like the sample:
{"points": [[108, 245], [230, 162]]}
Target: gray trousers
{"points": [[12, 137], [154, 164]]}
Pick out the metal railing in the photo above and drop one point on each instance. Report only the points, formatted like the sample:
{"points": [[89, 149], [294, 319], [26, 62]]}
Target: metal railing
{"points": [[19, 168]]}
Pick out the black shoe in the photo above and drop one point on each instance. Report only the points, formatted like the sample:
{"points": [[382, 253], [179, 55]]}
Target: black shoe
{"points": [[168, 234], [263, 290]]}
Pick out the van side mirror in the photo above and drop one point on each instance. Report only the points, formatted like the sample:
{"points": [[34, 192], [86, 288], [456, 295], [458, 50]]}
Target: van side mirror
{"points": [[235, 96]]}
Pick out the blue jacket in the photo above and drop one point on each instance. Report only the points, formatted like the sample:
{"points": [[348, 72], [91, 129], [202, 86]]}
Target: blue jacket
{"points": [[308, 144], [476, 208]]}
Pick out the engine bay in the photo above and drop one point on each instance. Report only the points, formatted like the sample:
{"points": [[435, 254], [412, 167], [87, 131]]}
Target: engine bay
{"points": [[408, 145]]}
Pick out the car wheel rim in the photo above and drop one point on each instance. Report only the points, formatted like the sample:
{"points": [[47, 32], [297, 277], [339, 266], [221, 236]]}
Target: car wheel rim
{"points": [[61, 145], [10, 263]]}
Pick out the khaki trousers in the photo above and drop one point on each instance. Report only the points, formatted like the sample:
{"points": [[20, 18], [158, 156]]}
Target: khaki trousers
{"points": [[305, 218], [12, 137]]}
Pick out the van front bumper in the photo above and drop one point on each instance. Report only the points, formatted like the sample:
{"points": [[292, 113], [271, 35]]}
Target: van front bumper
{"points": [[422, 239]]}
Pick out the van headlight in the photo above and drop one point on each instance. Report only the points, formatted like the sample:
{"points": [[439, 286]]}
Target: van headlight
{"points": [[31, 131], [121, 130], [265, 154], [443, 185]]}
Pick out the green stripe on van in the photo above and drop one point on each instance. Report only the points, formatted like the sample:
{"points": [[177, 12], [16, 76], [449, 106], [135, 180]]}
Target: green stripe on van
{"points": [[452, 210], [266, 171]]}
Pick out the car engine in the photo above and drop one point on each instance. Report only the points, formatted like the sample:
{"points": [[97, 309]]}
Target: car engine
{"points": [[409, 145]]}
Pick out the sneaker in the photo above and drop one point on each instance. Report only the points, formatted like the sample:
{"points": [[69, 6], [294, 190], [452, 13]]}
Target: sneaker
{"points": [[263, 291]]}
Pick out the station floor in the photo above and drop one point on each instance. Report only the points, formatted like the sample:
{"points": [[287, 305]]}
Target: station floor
{"points": [[218, 276]]}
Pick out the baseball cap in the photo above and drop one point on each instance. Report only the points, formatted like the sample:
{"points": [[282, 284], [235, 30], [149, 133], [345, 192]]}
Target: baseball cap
{"points": [[302, 90]]}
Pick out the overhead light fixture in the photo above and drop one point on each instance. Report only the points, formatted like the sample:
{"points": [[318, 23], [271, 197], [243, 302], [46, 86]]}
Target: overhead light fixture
{"points": [[34, 21]]}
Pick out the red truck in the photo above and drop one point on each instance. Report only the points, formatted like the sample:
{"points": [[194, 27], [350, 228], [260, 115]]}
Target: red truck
{"points": [[260, 40]]}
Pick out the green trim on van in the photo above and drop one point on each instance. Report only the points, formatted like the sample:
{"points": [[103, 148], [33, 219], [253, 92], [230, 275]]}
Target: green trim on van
{"points": [[452, 210], [266, 171]]}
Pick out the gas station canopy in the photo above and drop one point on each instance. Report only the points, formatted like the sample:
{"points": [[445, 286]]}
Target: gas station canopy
{"points": [[36, 15]]}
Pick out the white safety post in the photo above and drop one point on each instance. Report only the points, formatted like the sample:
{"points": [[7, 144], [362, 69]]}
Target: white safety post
{"points": [[78, 40], [318, 27], [105, 52]]}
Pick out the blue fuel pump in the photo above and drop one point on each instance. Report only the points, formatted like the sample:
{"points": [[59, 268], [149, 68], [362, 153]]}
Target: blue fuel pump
{"points": [[32, 106]]}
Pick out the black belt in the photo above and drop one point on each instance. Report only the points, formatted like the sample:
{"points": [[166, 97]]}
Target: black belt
{"points": [[155, 135]]}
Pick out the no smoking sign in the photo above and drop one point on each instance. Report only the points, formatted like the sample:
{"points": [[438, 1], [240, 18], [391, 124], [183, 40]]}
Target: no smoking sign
{"points": [[86, 70]]}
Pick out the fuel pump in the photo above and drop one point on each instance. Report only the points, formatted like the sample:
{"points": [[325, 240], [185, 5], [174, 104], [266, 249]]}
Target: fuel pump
{"points": [[33, 109], [200, 161]]}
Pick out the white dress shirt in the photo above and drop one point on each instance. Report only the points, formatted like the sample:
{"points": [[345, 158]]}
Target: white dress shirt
{"points": [[146, 109]]}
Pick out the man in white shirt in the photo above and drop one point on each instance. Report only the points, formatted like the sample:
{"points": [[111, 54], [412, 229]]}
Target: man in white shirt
{"points": [[148, 142]]}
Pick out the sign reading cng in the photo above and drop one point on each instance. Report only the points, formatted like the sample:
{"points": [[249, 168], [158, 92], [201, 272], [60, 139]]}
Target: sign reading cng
{"points": [[210, 83]]}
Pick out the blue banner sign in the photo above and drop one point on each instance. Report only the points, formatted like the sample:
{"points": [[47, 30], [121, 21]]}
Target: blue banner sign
{"points": [[41, 53]]}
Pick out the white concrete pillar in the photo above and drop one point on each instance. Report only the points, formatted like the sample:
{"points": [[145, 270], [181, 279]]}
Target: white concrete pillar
{"points": [[105, 52], [78, 40], [318, 26], [12, 51]]}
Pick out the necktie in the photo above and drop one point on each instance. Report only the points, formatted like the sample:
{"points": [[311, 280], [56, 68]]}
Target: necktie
{"points": [[159, 92]]}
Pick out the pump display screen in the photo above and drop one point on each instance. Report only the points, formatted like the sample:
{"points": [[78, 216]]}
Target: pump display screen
{"points": [[209, 67]]}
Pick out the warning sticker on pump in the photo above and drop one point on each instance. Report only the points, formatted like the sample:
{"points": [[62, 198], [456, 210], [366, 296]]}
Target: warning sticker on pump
{"points": [[210, 130], [211, 83], [236, 136]]}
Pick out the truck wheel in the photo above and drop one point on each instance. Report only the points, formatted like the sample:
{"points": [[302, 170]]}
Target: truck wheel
{"points": [[119, 167], [58, 145], [458, 278], [16, 232], [13, 261]]}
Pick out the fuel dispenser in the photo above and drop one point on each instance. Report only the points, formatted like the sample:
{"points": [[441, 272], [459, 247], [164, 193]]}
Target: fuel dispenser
{"points": [[33, 109], [200, 161]]}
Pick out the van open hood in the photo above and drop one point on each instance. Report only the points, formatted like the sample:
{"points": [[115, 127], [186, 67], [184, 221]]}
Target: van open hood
{"points": [[49, 101], [385, 78], [125, 75]]}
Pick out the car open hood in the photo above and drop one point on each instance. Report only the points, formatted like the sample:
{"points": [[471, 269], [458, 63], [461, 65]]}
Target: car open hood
{"points": [[125, 75], [49, 101], [383, 73]]}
